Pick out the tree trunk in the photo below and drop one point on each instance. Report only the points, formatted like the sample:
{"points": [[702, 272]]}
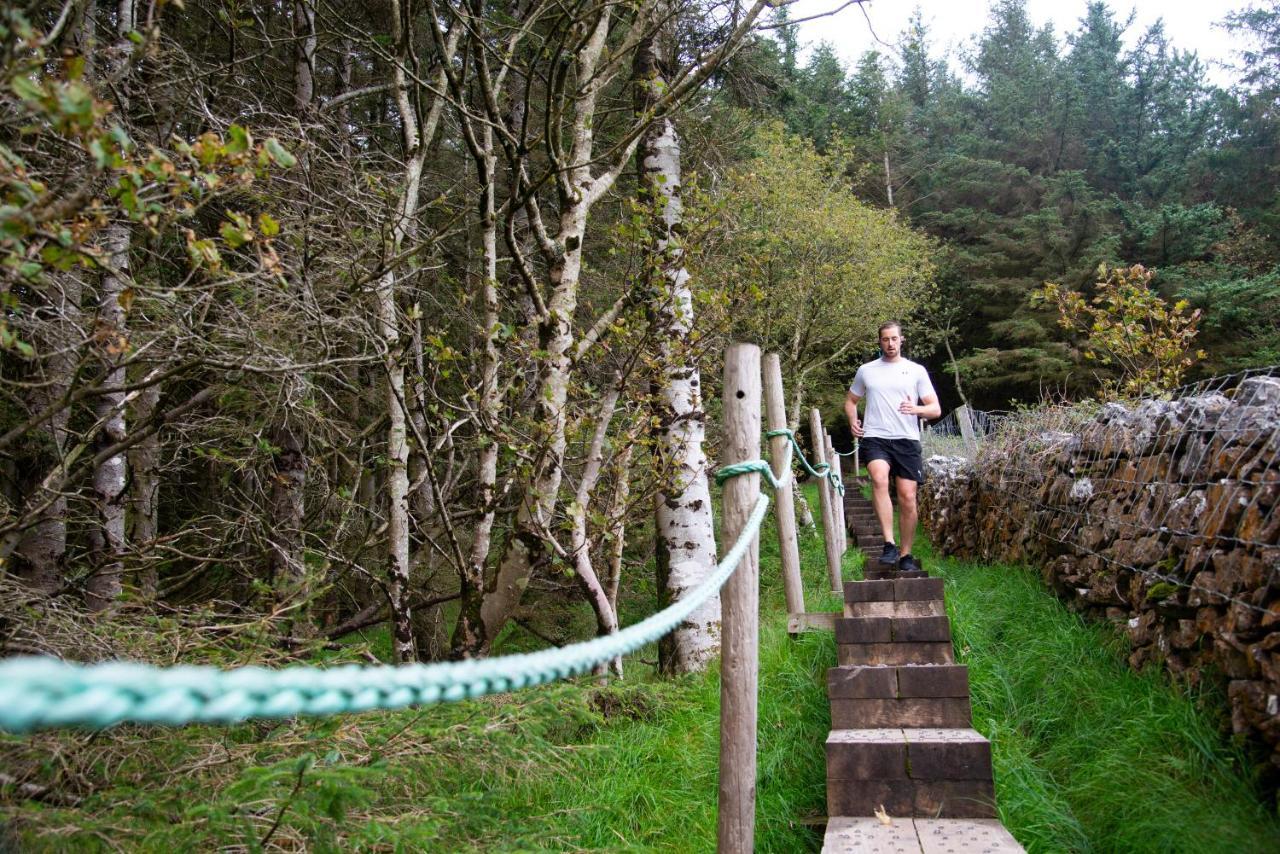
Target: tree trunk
{"points": [[287, 562], [683, 527], [107, 541], [144, 464], [43, 547], [617, 525], [525, 550], [470, 626], [389, 328], [580, 548], [304, 63]]}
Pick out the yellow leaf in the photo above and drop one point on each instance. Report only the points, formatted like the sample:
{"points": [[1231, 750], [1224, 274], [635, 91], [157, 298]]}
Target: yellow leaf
{"points": [[883, 816]]}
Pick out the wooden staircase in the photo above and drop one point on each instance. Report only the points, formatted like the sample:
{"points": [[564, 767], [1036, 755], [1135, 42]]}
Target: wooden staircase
{"points": [[905, 769]]}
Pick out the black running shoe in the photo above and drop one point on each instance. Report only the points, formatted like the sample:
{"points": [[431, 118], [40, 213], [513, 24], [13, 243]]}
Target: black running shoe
{"points": [[890, 554], [908, 563]]}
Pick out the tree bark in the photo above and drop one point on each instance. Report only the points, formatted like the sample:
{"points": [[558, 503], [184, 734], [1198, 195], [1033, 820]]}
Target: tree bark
{"points": [[144, 464], [526, 549], [107, 540], [43, 546], [397, 455], [287, 559], [580, 547], [683, 527]]}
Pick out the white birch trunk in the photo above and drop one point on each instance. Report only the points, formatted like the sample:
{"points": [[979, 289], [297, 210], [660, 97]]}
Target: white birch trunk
{"points": [[526, 548], [43, 547], [469, 629], [304, 63], [144, 462], [111, 337], [397, 488], [684, 529], [606, 619]]}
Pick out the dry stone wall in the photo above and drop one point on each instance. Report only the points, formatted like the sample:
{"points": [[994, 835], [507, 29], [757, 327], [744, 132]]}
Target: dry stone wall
{"points": [[1160, 516]]}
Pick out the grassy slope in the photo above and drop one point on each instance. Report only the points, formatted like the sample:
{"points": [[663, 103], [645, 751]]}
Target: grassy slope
{"points": [[1088, 756]]}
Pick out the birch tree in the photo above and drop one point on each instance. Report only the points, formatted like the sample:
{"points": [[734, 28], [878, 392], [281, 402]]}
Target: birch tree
{"points": [[684, 530]]}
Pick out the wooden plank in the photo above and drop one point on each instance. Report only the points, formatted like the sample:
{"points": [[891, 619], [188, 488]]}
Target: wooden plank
{"points": [[829, 512], [816, 621], [784, 508], [740, 604]]}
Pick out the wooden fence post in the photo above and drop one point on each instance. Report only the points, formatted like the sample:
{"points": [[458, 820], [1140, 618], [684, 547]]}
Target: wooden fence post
{"points": [[784, 508], [966, 430], [837, 501], [740, 604], [828, 511]]}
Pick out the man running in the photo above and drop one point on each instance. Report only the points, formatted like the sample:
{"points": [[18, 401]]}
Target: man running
{"points": [[897, 391]]}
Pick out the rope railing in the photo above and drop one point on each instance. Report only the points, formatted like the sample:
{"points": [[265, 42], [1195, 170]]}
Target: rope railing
{"points": [[37, 693], [823, 470], [41, 692]]}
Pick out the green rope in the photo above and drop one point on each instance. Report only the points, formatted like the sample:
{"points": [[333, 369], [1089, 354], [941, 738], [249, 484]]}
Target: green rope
{"points": [[832, 474], [37, 692]]}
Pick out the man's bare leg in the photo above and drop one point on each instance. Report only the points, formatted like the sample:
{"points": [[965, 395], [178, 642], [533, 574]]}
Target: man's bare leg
{"points": [[878, 470], [908, 514]]}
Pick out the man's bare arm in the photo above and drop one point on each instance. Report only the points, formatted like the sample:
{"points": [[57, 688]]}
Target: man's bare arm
{"points": [[851, 412]]}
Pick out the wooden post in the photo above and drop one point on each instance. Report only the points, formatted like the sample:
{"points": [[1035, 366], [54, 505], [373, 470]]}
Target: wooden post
{"points": [[784, 508], [837, 503], [966, 430], [828, 511], [740, 604]]}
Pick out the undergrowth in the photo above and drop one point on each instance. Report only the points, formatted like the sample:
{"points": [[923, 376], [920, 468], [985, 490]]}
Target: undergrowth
{"points": [[573, 766], [1088, 756]]}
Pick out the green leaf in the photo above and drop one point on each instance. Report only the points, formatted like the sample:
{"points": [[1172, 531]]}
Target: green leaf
{"points": [[26, 88], [268, 225], [279, 154], [238, 139], [233, 235]]}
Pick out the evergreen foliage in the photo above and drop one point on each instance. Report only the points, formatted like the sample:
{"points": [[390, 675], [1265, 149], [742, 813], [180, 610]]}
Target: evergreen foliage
{"points": [[1048, 158]]}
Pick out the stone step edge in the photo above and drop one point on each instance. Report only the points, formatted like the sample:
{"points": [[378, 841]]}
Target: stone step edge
{"points": [[924, 835]]}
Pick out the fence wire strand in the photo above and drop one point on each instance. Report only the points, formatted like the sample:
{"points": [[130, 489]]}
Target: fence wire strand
{"points": [[1189, 477]]}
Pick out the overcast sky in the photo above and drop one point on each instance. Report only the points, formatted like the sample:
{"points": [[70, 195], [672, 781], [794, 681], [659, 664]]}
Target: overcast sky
{"points": [[952, 24]]}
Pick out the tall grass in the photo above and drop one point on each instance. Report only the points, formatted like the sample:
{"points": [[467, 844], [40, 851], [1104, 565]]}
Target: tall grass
{"points": [[1089, 755]]}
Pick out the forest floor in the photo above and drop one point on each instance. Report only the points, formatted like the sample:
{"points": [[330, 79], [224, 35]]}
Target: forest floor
{"points": [[1088, 755]]}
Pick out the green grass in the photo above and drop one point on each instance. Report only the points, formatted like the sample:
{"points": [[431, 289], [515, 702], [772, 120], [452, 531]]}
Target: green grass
{"points": [[1089, 757], [1088, 754]]}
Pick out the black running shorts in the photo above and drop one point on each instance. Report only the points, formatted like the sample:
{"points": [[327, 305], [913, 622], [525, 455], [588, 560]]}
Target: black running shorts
{"points": [[903, 455]]}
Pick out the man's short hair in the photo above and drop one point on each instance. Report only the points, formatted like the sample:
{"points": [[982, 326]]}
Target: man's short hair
{"points": [[888, 324]]}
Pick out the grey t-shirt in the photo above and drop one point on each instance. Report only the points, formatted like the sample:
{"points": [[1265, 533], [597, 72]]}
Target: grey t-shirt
{"points": [[885, 385]]}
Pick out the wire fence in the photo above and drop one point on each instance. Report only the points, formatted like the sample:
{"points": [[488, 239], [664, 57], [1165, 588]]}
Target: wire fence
{"points": [[1181, 492]]}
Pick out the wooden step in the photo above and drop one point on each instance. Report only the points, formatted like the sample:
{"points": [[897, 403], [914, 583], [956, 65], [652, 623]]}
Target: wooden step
{"points": [[846, 834], [911, 608], [894, 640], [892, 629], [934, 773], [893, 590], [907, 696], [928, 652]]}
